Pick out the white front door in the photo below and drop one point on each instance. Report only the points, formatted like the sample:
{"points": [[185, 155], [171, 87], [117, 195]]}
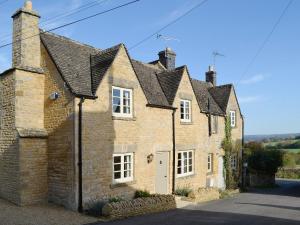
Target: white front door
{"points": [[162, 172], [221, 181]]}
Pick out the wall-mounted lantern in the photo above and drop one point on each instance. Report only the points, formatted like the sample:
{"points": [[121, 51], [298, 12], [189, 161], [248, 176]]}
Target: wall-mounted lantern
{"points": [[150, 158]]}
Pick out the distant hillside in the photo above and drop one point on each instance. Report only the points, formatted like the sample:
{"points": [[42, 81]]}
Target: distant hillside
{"points": [[269, 136]]}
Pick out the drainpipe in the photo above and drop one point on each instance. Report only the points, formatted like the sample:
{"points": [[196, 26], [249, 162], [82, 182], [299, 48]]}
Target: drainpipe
{"points": [[174, 151], [80, 207]]}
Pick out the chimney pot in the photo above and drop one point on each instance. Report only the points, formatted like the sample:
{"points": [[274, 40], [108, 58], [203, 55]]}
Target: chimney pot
{"points": [[28, 5]]}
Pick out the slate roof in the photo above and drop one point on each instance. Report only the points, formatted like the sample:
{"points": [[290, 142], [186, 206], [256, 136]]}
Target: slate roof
{"points": [[221, 95], [72, 59], [83, 67], [169, 81], [100, 63], [150, 84], [202, 94]]}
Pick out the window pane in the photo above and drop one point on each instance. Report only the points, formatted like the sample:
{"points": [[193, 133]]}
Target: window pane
{"points": [[179, 170], [127, 158], [185, 155], [185, 169], [117, 159], [182, 116], [117, 167], [116, 101], [187, 104], [190, 155], [116, 109], [126, 94], [116, 92], [190, 161], [117, 175], [126, 110], [179, 155], [179, 163], [190, 168]]}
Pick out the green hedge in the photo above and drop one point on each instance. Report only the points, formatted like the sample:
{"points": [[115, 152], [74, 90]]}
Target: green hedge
{"points": [[288, 173]]}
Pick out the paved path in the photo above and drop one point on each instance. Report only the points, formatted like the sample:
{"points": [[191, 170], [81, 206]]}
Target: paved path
{"points": [[279, 206]]}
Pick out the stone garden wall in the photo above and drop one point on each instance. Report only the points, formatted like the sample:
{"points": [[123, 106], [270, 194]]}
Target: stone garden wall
{"points": [[139, 206]]}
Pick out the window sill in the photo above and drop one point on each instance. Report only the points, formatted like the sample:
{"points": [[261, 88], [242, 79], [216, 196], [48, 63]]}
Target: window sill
{"points": [[125, 184], [186, 123], [186, 176], [124, 118]]}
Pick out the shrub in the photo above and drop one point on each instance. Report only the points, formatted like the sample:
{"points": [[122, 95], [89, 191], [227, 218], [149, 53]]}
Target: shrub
{"points": [[142, 194], [185, 191], [288, 173], [265, 161], [115, 199]]}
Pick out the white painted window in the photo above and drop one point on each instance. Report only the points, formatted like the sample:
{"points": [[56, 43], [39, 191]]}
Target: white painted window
{"points": [[209, 162], [233, 160], [122, 167], [185, 110], [232, 118], [185, 163], [121, 102], [214, 124]]}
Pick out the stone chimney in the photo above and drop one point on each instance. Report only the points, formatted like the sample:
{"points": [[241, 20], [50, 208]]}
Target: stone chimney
{"points": [[26, 39], [167, 58], [211, 76]]}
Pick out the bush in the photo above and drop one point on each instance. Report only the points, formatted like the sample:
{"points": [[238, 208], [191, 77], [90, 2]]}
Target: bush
{"points": [[115, 199], [288, 173], [183, 191], [265, 161], [289, 160], [142, 194]]}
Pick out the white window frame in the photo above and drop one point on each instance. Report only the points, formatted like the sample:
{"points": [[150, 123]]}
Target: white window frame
{"points": [[185, 119], [210, 162], [232, 118], [233, 161], [121, 113], [188, 173], [123, 179]]}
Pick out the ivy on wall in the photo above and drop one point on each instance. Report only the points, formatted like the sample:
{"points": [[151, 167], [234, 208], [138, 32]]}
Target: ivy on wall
{"points": [[231, 148]]}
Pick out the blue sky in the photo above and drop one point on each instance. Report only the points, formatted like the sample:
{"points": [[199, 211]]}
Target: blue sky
{"points": [[270, 91]]}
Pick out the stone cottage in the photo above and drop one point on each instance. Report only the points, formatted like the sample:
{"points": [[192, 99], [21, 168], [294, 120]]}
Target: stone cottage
{"points": [[80, 123]]}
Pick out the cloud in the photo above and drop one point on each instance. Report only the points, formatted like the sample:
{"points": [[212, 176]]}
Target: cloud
{"points": [[255, 79], [249, 99]]}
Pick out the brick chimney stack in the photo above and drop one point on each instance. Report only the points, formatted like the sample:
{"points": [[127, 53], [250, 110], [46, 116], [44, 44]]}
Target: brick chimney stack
{"points": [[26, 39], [211, 76]]}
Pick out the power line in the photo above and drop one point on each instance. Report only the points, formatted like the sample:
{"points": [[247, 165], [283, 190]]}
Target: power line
{"points": [[169, 24], [62, 15], [74, 22], [266, 40]]}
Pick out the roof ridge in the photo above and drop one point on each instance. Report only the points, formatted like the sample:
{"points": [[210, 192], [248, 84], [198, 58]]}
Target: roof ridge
{"points": [[147, 64], [108, 50], [68, 39]]}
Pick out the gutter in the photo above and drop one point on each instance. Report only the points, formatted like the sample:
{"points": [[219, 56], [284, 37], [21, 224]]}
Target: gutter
{"points": [[173, 151], [80, 207]]}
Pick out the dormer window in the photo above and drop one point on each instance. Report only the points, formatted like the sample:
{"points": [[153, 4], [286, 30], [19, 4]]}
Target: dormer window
{"points": [[232, 118], [185, 110], [121, 102]]}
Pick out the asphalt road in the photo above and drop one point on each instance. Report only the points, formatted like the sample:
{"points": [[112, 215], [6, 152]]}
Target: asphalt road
{"points": [[278, 206]]}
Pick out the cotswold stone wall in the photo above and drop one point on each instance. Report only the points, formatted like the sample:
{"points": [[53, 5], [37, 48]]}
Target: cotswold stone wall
{"points": [[204, 194], [149, 131], [9, 155], [139, 206], [59, 123]]}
